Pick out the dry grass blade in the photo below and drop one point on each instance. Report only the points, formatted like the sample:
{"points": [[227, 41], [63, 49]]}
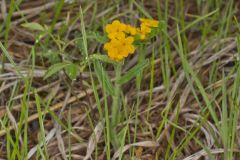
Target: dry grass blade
{"points": [[32, 10], [58, 128], [7, 86], [147, 144], [3, 9], [49, 136], [94, 140], [203, 153], [12, 119]]}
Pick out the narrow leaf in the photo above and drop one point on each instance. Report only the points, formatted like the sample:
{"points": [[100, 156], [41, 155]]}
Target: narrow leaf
{"points": [[133, 72], [103, 58], [33, 26], [103, 77], [54, 69]]}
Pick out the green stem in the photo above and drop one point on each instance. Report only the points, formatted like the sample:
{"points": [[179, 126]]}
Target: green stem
{"points": [[116, 107], [116, 103], [138, 87]]}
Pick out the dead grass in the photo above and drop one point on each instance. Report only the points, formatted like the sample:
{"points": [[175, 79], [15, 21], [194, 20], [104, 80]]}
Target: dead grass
{"points": [[180, 104]]}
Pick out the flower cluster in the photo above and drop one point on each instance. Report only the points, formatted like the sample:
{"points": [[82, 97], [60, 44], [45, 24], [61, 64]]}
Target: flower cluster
{"points": [[145, 27], [122, 37]]}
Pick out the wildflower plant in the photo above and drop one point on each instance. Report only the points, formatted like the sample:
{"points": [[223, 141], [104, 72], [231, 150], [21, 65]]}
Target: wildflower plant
{"points": [[121, 41], [124, 40]]}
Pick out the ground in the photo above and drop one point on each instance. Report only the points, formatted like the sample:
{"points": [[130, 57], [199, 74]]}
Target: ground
{"points": [[175, 98]]}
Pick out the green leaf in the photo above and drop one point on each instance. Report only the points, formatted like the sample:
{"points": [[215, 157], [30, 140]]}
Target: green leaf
{"points": [[103, 58], [80, 45], [100, 38], [54, 69], [84, 36], [71, 71], [133, 72], [33, 26], [103, 77], [122, 137], [51, 55]]}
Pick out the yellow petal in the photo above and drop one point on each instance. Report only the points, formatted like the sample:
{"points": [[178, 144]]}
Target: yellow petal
{"points": [[116, 22], [131, 49], [109, 28], [122, 27], [145, 29], [129, 40]]}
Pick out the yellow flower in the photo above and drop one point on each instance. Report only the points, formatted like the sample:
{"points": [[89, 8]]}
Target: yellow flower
{"points": [[146, 27], [131, 30], [122, 37], [115, 28], [149, 22], [141, 34], [143, 31], [120, 48], [116, 35]]}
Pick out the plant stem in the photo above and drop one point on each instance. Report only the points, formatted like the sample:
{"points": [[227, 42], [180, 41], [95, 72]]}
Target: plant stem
{"points": [[138, 87], [116, 107], [116, 102]]}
